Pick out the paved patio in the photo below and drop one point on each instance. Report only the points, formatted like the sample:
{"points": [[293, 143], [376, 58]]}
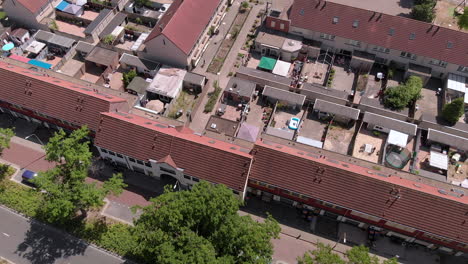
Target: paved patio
{"points": [[342, 80], [338, 139], [367, 137], [312, 127], [315, 72], [281, 118], [70, 28]]}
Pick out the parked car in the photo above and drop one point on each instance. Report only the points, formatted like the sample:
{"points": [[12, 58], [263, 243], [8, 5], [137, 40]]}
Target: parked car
{"points": [[27, 176], [294, 123]]}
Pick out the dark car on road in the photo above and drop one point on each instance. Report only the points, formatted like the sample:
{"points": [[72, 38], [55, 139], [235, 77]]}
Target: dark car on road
{"points": [[27, 176]]}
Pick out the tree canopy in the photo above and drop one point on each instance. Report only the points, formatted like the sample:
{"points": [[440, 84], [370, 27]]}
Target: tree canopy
{"points": [[128, 77], [356, 255], [423, 10], [5, 137], [67, 190], [202, 226], [462, 20], [401, 96], [452, 111]]}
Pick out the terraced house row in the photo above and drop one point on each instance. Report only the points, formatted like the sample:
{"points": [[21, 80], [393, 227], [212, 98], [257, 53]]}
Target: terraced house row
{"points": [[430, 213]]}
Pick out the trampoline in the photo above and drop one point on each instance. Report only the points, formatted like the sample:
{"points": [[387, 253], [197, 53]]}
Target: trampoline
{"points": [[396, 158]]}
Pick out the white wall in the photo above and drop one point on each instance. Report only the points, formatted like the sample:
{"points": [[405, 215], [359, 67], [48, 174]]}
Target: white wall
{"points": [[162, 50], [155, 170]]}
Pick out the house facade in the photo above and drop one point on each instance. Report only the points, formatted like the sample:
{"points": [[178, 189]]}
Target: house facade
{"points": [[29, 13], [181, 36]]}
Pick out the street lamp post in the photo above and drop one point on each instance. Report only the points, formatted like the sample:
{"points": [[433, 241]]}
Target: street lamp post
{"points": [[338, 240]]}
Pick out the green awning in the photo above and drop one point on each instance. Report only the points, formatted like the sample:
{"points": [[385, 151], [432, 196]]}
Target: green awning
{"points": [[267, 63]]}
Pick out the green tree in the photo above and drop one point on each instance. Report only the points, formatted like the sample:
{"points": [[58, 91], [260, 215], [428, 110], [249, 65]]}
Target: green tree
{"points": [[67, 190], [5, 137], [322, 255], [202, 226], [423, 12], [245, 5], [360, 255], [108, 39], [401, 96], [128, 77], [452, 111], [462, 20]]}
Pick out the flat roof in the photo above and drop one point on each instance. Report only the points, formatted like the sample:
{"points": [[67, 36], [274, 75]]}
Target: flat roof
{"points": [[139, 62], [167, 82], [194, 78], [390, 123], [95, 23], [240, 87], [271, 40], [447, 139], [61, 41], [84, 47], [115, 22], [268, 76], [336, 109], [43, 36], [138, 85], [102, 56], [283, 95]]}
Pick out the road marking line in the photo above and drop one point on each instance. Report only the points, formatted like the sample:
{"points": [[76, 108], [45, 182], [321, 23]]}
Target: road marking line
{"points": [[5, 234]]}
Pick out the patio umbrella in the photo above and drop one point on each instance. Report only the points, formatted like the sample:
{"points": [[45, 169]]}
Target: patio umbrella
{"points": [[8, 46]]}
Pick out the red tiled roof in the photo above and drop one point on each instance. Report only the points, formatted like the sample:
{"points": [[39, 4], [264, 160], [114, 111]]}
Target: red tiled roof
{"points": [[33, 5], [353, 187], [184, 22], [169, 161], [199, 156], [430, 40], [55, 97]]}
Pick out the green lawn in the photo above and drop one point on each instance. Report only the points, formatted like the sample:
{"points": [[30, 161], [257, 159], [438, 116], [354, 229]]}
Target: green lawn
{"points": [[2, 15]]}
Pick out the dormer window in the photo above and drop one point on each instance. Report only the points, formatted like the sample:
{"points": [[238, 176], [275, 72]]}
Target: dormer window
{"points": [[355, 23], [449, 44], [412, 36], [391, 32]]}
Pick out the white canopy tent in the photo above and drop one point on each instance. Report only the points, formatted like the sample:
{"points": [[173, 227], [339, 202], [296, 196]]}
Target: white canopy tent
{"points": [[281, 68], [438, 160], [397, 138], [35, 47]]}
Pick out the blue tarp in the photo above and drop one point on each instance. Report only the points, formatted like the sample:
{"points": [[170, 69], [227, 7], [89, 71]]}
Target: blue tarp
{"points": [[62, 5], [41, 64]]}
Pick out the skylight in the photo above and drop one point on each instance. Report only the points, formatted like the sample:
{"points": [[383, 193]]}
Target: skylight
{"points": [[335, 20], [355, 23]]}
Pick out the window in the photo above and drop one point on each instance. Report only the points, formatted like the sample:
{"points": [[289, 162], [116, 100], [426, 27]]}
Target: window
{"points": [[148, 164], [273, 24], [449, 44], [195, 179], [381, 49], [167, 170], [462, 69], [140, 162], [103, 151], [281, 26], [111, 153], [438, 63], [335, 20], [391, 32], [131, 159], [412, 36], [408, 55], [327, 36], [356, 23], [354, 42], [120, 156], [187, 177]]}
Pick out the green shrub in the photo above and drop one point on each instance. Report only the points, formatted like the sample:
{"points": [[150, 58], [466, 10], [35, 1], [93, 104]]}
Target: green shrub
{"points": [[452, 111], [108, 39], [213, 98], [128, 77]]}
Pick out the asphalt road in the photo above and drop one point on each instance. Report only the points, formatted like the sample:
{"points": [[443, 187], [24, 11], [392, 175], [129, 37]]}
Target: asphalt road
{"points": [[26, 241]]}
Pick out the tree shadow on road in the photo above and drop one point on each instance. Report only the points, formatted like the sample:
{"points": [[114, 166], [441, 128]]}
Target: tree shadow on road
{"points": [[44, 244]]}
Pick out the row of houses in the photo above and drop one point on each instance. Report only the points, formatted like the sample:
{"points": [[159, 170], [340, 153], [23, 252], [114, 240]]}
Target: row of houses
{"points": [[352, 193], [370, 37]]}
